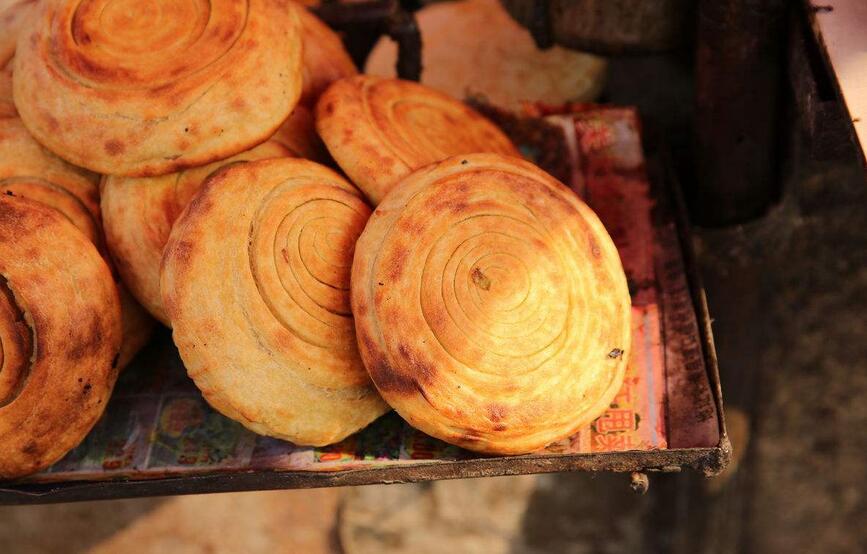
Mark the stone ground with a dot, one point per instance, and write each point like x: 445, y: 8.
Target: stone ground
x: 789, y: 297
x: 258, y: 522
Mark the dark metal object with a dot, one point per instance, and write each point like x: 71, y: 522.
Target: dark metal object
x: 709, y: 460
x: 823, y: 120
x: 739, y: 70
x: 662, y: 173
x: 608, y: 27
x: 540, y: 24
x: 403, y: 29
x: 363, y: 23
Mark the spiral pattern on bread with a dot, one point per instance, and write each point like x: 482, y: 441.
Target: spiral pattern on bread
x: 60, y: 335
x: 379, y: 130
x: 138, y: 213
x: 255, y: 281
x: 28, y: 170
x: 148, y: 87
x: 491, y: 306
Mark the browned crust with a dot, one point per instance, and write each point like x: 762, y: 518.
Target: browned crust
x: 13, y: 17
x: 138, y: 213
x: 488, y: 299
x: 28, y: 170
x: 255, y: 280
x: 127, y: 108
x: 379, y: 130
x: 298, y: 134
x: 72, y: 312
x: 7, y: 105
x: 138, y: 327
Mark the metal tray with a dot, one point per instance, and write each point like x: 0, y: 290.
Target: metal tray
x: 158, y: 436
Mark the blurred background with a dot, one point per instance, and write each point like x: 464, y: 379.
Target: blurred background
x: 774, y: 176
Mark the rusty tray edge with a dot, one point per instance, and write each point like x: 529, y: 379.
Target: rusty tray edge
x: 684, y: 233
x: 707, y: 460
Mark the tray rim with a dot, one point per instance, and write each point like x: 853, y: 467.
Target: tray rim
x: 708, y: 460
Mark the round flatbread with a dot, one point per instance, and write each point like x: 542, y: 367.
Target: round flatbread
x: 491, y: 306
x: 255, y: 280
x: 148, y: 87
x: 139, y: 212
x: 7, y: 105
x: 27, y: 170
x: 14, y: 16
x: 379, y: 130
x: 60, y: 333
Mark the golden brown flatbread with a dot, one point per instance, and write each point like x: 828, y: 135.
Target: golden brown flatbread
x: 379, y: 130
x: 135, y: 88
x: 14, y: 16
x: 298, y: 134
x: 60, y: 333
x: 325, y: 60
x: 139, y: 212
x: 491, y: 307
x: 255, y: 280
x: 137, y: 324
x: 28, y: 170
x: 7, y: 106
